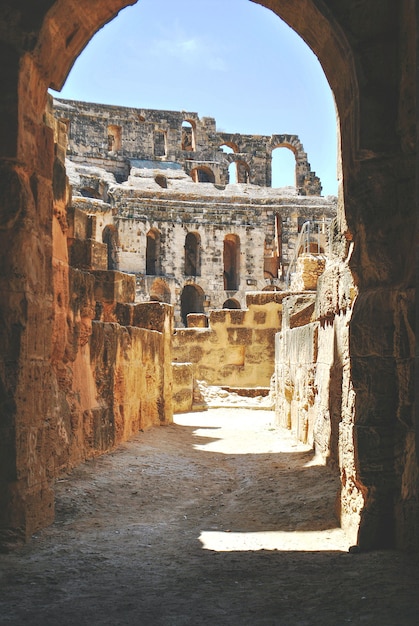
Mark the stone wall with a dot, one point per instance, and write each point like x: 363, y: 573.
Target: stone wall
x: 183, y: 387
x: 107, y: 377
x: 320, y: 352
x: 238, y: 346
x: 97, y: 132
x: 145, y: 221
x: 264, y: 222
x: 111, y: 384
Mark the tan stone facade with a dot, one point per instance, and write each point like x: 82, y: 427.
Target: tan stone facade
x: 120, y: 138
x: 193, y: 243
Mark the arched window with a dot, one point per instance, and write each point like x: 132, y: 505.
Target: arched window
x: 114, y: 138
x: 188, y: 136
x: 271, y: 259
x: 152, y: 264
x: 110, y: 238
x: 192, y: 254
x: 232, y: 168
x: 202, y: 174
x: 232, y: 173
x: 231, y: 262
x: 231, y: 303
x: 283, y: 167
x: 230, y: 147
x: 191, y: 301
x: 159, y: 143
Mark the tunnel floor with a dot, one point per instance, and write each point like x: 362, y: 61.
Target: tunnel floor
x: 219, y: 519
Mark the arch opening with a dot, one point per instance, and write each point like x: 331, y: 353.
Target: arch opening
x: 231, y: 260
x: 202, y: 174
x: 114, y: 138
x: 57, y: 75
x: 232, y: 173
x: 191, y: 301
x: 243, y: 172
x: 153, y: 253
x: 188, y: 136
x: 160, y: 143
x: 283, y: 167
x: 192, y: 254
x: 231, y: 303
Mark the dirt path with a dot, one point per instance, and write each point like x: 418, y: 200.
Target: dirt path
x: 221, y: 519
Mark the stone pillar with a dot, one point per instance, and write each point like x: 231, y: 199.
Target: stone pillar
x: 381, y: 351
x: 27, y: 381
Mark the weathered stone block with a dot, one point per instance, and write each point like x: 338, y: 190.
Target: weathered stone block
x: 375, y: 385
x: 183, y: 379
x: 336, y: 291
x: 152, y: 315
x: 372, y: 324
x: 218, y: 316
x: 112, y: 286
x: 265, y: 297
x: 124, y: 313
x: 259, y: 317
x: 297, y: 310
x: 88, y: 254
x: 264, y: 337
x: 197, y: 320
x: 239, y: 336
x: 309, y: 269
x: 236, y: 317
x: 79, y: 224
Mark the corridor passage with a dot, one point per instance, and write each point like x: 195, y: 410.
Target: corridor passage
x: 220, y: 519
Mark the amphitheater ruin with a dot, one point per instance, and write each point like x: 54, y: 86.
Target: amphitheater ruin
x: 143, y: 251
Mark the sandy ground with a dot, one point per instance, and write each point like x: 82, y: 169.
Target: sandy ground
x: 219, y: 519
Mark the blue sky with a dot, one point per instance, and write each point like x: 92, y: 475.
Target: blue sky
x: 229, y: 59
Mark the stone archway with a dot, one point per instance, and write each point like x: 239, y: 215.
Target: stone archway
x: 191, y: 301
x: 376, y: 120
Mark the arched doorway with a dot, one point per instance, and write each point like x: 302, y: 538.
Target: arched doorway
x: 231, y: 303
x: 192, y: 254
x: 188, y: 136
x: 191, y: 301
x: 153, y: 264
x: 231, y: 258
x: 202, y: 174
x: 283, y: 167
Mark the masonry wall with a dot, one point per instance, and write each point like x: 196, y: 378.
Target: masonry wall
x: 210, y: 214
x: 117, y: 133
x: 113, y: 378
x: 238, y: 346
